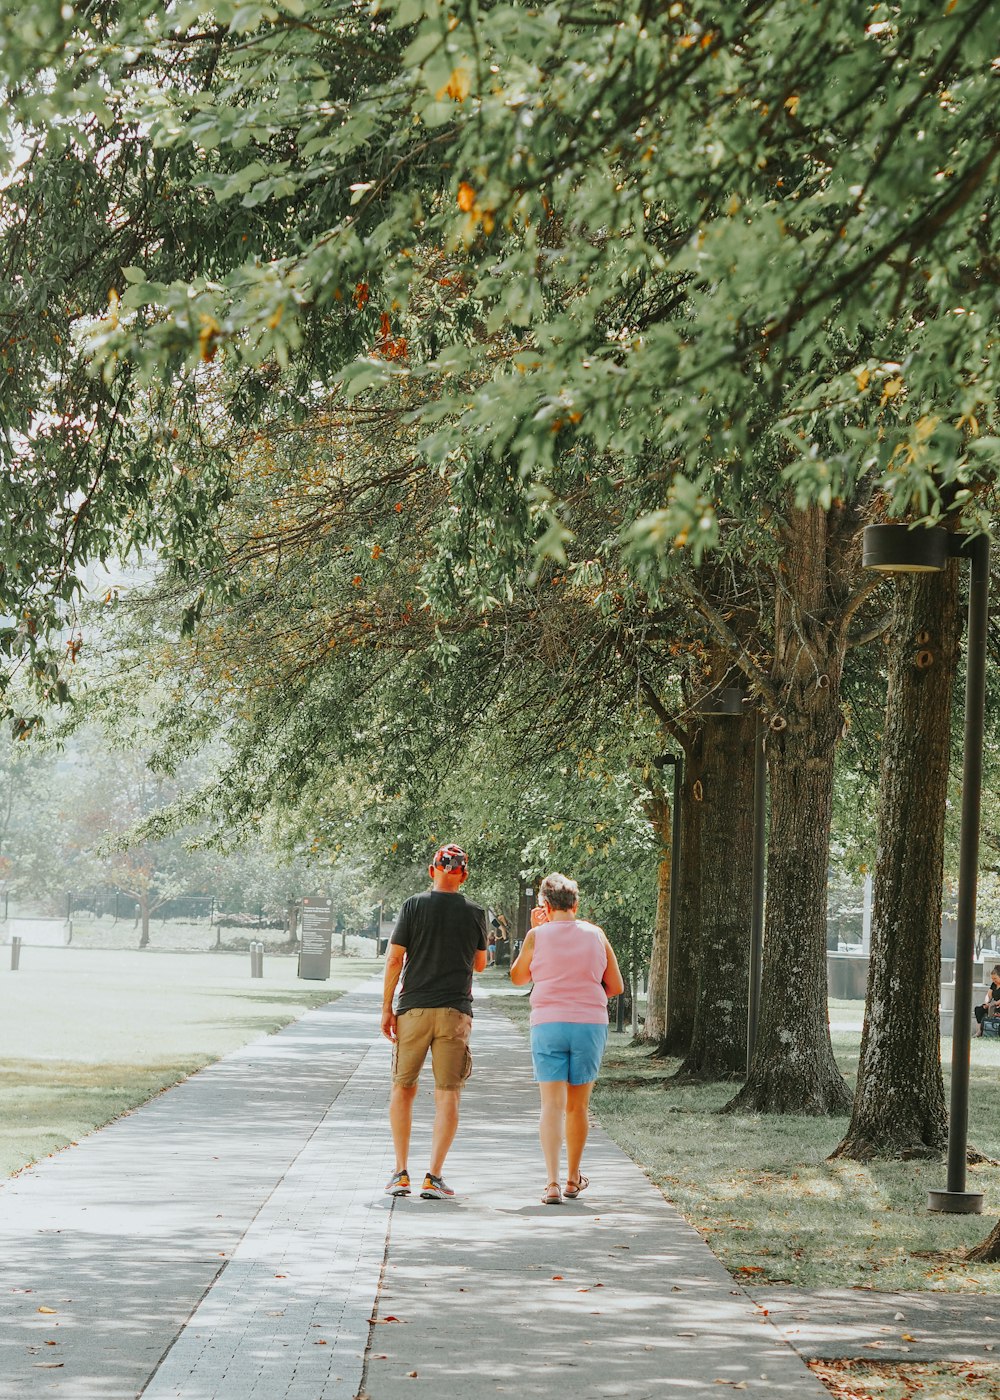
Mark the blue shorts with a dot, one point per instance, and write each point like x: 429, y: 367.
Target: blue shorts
x: 567, y: 1052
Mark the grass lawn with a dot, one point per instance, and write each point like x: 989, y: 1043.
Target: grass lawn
x: 875, y: 1380
x: 761, y: 1191
x: 86, y: 1035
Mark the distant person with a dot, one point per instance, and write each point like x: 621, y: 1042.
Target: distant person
x: 438, y: 942
x: 502, y: 937
x: 574, y: 971
x: 491, y: 949
x: 991, y: 1001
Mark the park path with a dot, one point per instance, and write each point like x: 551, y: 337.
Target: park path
x: 230, y: 1241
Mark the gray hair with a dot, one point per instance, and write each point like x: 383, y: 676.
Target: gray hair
x: 559, y: 891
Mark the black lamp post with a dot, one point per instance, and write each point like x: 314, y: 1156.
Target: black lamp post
x: 676, y: 760
x: 757, y: 889
x: 900, y: 549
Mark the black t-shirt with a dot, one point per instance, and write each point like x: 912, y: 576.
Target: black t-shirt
x: 441, y: 933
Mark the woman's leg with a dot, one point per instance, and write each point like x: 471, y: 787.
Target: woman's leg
x: 552, y: 1125
x: 577, y: 1125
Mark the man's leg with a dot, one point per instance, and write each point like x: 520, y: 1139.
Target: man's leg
x: 452, y: 1067
x: 401, y: 1120
x: 445, y: 1127
x: 577, y: 1126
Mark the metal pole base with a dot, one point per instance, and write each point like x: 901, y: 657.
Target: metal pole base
x: 956, y: 1202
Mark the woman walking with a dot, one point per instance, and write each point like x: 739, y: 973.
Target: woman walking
x: 574, y: 971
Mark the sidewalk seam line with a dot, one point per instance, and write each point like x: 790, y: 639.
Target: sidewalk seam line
x: 250, y: 1223
x: 173, y: 1340
x: 372, y: 1323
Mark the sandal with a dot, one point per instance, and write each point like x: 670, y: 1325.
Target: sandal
x: 573, y: 1188
x: 551, y: 1196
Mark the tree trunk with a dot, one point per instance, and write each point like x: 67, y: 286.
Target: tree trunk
x: 988, y: 1250
x: 718, y: 1047
x: 793, y: 1068
x: 899, y: 1106
x: 659, y: 958
x: 144, y: 915
x: 682, y: 992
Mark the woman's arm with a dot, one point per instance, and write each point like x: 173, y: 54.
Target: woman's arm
x: 613, y: 981
x: 520, y: 972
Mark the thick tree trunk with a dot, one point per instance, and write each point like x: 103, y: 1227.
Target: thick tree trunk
x: 793, y: 1068
x: 682, y: 992
x: 719, y: 1040
x: 144, y: 915
x: 656, y: 997
x: 899, y: 1106
x: 988, y: 1250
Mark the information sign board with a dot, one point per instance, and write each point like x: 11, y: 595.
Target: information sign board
x: 316, y: 933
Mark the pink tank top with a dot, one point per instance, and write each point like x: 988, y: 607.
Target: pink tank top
x: 566, y: 967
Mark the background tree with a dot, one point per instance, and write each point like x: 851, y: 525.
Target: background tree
x: 677, y: 268
x: 899, y: 1104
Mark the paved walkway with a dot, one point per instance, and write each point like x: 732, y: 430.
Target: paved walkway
x: 230, y: 1241
x: 831, y: 1323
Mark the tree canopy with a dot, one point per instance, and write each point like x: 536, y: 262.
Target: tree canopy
x: 713, y: 255
x: 438, y: 351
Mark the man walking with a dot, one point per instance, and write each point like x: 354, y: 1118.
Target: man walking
x: 438, y: 942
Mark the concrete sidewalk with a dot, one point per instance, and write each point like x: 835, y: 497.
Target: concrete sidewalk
x: 231, y: 1241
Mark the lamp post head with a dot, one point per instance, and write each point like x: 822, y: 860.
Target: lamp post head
x: 904, y: 549
x: 731, y: 700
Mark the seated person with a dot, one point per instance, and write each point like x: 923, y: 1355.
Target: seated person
x: 991, y: 1002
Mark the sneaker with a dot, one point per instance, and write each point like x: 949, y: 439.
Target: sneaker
x: 398, y: 1184
x: 434, y: 1189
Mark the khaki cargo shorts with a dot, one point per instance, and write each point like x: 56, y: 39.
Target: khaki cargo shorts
x: 440, y: 1029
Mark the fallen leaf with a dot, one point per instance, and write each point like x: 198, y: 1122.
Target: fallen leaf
x: 319, y: 1343
x: 556, y: 1278
x: 412, y: 1375
x: 48, y: 1310
x: 49, y: 1365
x: 907, y: 1338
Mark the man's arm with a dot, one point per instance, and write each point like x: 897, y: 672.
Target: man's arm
x: 394, y: 956
x: 482, y: 952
